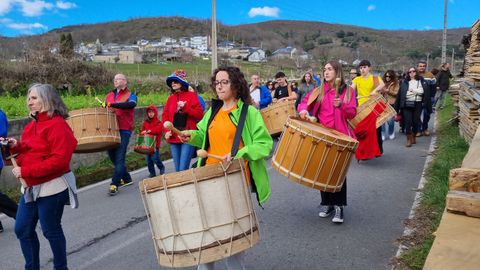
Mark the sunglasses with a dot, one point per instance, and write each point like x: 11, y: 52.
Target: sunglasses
x: 412, y: 71
x: 388, y: 76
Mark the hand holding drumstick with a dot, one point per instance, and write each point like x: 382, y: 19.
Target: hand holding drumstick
x: 336, y: 101
x: 304, y: 115
x: 204, y: 154
x: 183, y: 135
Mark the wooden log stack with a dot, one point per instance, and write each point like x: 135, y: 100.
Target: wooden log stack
x: 464, y: 183
x: 469, y: 91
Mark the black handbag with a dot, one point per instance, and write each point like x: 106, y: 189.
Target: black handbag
x: 409, y: 104
x: 180, y: 120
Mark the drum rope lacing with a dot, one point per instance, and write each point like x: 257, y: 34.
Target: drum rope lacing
x: 206, y: 229
x: 147, y: 210
x: 315, y: 141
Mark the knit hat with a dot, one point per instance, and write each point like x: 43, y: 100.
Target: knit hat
x: 178, y: 76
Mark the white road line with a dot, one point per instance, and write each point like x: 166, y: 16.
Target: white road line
x: 114, y: 250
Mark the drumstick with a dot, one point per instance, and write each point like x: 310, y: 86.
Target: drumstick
x: 337, y: 87
x: 14, y: 163
x: 169, y: 125
x: 101, y: 102
x: 203, y: 154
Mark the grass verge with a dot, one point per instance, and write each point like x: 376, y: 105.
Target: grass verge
x: 450, y: 150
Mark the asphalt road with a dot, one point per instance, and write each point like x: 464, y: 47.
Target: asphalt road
x: 113, y: 233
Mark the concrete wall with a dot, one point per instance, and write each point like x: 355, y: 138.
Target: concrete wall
x: 15, y: 128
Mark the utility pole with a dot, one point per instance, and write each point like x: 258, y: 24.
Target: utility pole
x: 453, y: 60
x: 214, y: 36
x: 444, y: 39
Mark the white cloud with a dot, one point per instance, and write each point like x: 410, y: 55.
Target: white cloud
x: 5, y: 6
x: 264, y: 11
x: 34, y: 8
x: 66, y: 5
x: 5, y: 20
x: 371, y: 7
x: 26, y: 26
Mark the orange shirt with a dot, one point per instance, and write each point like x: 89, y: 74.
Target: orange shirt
x: 221, y: 133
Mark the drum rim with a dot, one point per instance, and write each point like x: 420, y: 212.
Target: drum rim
x: 151, y: 185
x: 348, y: 141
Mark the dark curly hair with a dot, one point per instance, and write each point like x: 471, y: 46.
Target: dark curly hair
x: 238, y: 83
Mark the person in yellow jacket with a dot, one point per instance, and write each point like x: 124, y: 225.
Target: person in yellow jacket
x: 216, y: 132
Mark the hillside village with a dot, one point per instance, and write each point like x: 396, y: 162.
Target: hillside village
x: 182, y: 49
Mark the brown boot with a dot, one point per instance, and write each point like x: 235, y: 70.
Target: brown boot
x: 409, y: 140
x: 414, y: 139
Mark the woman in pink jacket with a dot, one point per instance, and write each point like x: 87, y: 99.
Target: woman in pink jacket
x: 332, y: 110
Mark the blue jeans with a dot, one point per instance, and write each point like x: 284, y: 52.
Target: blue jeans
x: 391, y: 127
x: 117, y: 156
x: 154, y: 158
x: 182, y: 155
x: 49, y: 211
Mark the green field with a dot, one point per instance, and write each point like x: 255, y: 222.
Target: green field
x: 16, y: 107
x: 199, y: 70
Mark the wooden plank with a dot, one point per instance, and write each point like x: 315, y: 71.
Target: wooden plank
x: 472, y: 158
x: 462, y: 202
x: 456, y: 244
x: 464, y: 179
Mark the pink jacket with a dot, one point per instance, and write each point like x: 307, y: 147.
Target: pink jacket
x: 329, y: 116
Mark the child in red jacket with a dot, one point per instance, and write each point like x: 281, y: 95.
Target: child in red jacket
x: 153, y: 126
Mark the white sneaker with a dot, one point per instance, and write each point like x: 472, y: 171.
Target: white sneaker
x: 392, y: 136
x: 338, y: 218
x: 326, y: 211
x: 383, y: 137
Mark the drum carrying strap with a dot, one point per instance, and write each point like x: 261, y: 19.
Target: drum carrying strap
x: 238, y: 132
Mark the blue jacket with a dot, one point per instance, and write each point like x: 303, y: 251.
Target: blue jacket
x: 265, y: 97
x: 3, y: 131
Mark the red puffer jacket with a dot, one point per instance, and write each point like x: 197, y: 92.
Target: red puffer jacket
x: 45, y: 150
x: 154, y: 125
x: 192, y: 108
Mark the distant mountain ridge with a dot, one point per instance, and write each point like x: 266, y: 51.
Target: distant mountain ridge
x: 323, y: 40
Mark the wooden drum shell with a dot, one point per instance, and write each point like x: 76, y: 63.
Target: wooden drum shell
x: 200, y: 215
x: 277, y: 114
x: 368, y: 106
x: 96, y: 129
x: 313, y: 155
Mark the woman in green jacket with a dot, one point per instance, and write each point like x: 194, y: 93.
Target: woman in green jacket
x: 216, y: 132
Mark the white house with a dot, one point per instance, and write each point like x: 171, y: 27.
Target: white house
x: 199, y: 42
x: 257, y: 56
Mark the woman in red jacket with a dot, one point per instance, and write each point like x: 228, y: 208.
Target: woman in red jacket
x: 184, y: 110
x: 44, y: 154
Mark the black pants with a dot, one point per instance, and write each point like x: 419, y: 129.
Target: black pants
x: 379, y: 139
x: 7, y: 205
x: 337, y: 198
x: 412, y: 118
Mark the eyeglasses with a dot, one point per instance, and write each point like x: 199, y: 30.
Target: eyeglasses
x: 412, y: 71
x: 388, y: 76
x: 222, y: 82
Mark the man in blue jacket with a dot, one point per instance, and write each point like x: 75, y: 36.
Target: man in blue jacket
x: 260, y: 94
x: 7, y: 206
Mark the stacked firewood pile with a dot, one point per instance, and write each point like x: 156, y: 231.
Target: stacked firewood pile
x: 469, y: 91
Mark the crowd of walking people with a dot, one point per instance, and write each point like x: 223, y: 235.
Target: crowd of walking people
x: 47, y: 143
